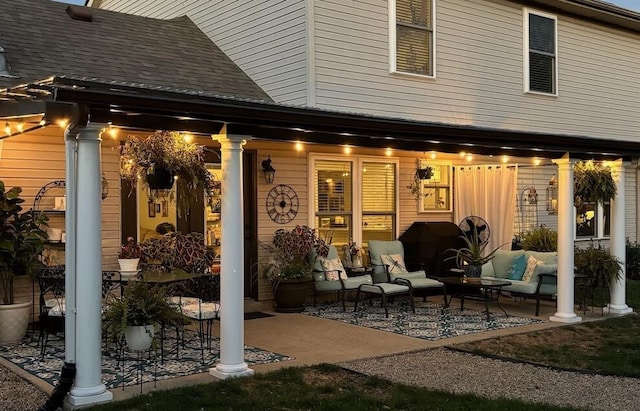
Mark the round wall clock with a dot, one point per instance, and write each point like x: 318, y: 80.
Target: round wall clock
x: 282, y: 203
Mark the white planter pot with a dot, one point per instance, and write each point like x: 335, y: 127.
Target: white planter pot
x: 139, y: 337
x: 128, y: 264
x: 14, y: 320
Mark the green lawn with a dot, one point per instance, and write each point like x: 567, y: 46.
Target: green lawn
x: 322, y: 387
x: 609, y: 345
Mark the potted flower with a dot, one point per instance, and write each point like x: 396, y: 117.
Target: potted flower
x: 593, y: 183
x: 353, y: 254
x: 161, y: 157
x: 289, y: 265
x: 472, y: 257
x: 129, y: 256
x: 21, y: 242
x: 139, y: 313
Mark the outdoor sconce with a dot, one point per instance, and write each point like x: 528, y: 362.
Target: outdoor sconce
x: 552, y: 195
x: 105, y: 187
x: 268, y: 171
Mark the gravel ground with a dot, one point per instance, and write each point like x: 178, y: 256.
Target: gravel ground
x: 16, y: 394
x: 456, y: 372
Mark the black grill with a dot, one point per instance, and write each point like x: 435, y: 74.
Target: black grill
x: 425, y: 245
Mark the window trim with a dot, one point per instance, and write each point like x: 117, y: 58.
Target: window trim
x: 392, y: 44
x: 356, y: 163
x: 525, y: 51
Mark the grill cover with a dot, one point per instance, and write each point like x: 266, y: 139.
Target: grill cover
x: 425, y: 246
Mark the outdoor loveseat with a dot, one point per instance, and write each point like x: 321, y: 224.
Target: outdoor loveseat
x: 532, y: 274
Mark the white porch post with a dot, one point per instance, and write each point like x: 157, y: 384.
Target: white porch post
x: 88, y: 387
x: 70, y: 145
x: 231, y: 362
x: 618, y: 249
x: 566, y: 228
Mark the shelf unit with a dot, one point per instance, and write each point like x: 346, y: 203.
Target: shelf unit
x: 54, y: 250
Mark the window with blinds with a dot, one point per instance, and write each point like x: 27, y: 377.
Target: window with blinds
x: 333, y: 202
x: 541, y: 44
x: 378, y: 193
x: 414, y: 36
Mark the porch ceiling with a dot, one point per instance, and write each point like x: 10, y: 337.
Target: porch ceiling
x: 134, y: 107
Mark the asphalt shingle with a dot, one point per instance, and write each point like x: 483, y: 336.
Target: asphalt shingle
x: 41, y: 40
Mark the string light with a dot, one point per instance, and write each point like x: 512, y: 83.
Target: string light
x: 63, y: 123
x: 347, y: 150
x: 505, y: 159
x: 299, y: 146
x: 113, y: 132
x: 20, y: 126
x: 7, y: 127
x: 469, y: 157
x: 433, y: 155
x: 388, y: 152
x: 536, y: 161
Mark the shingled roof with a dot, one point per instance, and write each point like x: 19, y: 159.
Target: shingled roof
x: 41, y: 40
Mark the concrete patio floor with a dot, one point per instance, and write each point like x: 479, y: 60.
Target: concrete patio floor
x: 312, y: 340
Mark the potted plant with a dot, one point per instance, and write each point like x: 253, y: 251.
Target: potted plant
x: 139, y: 313
x: 129, y: 256
x: 289, y: 265
x: 21, y: 242
x: 593, y: 183
x: 472, y: 257
x: 541, y: 239
x: 599, y: 266
x: 157, y: 159
x: 418, y: 175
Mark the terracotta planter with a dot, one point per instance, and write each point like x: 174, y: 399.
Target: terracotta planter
x: 14, y: 320
x: 160, y: 179
x: 290, y: 296
x: 139, y: 337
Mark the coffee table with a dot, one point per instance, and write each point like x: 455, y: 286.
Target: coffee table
x: 473, y: 288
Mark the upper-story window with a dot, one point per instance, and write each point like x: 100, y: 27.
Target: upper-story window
x: 411, y: 34
x: 540, y: 52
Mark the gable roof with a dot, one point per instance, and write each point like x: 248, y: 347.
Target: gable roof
x: 41, y: 40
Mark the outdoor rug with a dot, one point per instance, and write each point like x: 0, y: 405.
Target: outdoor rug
x: 430, y: 322
x: 27, y: 356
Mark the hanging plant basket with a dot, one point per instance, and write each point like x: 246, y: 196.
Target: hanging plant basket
x: 593, y: 183
x: 160, y: 178
x: 424, y: 173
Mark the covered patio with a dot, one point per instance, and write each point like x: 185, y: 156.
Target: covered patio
x: 87, y: 107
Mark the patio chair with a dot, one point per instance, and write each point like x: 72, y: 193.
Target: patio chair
x: 387, y: 260
x: 206, y: 308
x: 52, y: 304
x: 329, y: 276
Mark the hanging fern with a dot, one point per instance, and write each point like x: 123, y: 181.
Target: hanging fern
x: 593, y: 182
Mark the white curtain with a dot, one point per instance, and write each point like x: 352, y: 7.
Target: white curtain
x: 488, y: 192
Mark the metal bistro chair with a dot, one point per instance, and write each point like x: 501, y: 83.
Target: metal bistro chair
x: 52, y: 304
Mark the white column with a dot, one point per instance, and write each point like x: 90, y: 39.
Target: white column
x: 70, y: 247
x: 231, y: 362
x: 88, y: 387
x: 566, y: 229
x: 617, y: 244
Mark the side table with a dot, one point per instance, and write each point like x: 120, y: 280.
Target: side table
x: 358, y: 271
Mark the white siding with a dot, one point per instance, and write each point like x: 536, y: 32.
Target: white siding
x: 480, y: 70
x: 268, y: 40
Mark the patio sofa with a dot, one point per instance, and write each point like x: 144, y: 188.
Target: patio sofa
x: 532, y: 274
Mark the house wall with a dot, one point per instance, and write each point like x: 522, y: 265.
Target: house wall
x: 479, y: 64
x: 268, y: 40
x: 32, y: 160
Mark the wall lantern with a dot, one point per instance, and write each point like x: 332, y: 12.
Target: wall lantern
x: 105, y: 186
x: 268, y: 171
x: 552, y: 195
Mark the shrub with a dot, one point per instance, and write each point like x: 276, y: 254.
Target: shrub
x: 540, y: 239
x: 597, y: 263
x: 633, y: 260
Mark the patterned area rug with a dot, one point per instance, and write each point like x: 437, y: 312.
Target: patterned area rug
x: 430, y: 322
x: 114, y: 373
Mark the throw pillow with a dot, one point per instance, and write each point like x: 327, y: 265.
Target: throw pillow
x: 331, y: 267
x: 517, y: 267
x: 532, y: 263
x: 395, y: 262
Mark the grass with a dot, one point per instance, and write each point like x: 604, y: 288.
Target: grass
x: 608, y: 346
x: 321, y: 387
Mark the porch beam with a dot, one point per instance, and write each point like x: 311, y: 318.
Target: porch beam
x: 566, y: 234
